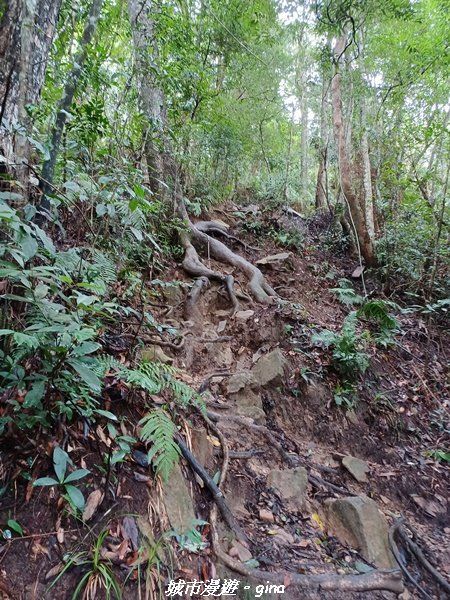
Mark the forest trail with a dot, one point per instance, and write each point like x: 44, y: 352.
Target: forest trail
x: 272, y: 392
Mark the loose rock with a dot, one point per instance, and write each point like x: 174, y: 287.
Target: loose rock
x: 241, y: 380
x: 356, y: 467
x: 291, y: 484
x: 357, y: 522
x: 270, y: 368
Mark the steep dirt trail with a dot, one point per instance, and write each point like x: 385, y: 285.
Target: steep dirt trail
x: 277, y: 379
x: 270, y: 397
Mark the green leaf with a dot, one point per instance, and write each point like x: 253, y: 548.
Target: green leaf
x: 15, y: 526
x: 45, y: 481
x: 29, y: 247
x: 76, y: 475
x: 29, y: 341
x: 6, y: 331
x: 46, y: 241
x: 60, y: 460
x: 34, y: 396
x: 106, y: 414
x: 75, y: 496
x: 86, y: 374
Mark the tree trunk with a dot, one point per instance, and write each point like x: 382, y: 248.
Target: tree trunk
x: 151, y: 96
x: 27, y: 32
x: 321, y: 184
x: 345, y: 167
x: 48, y: 169
x: 366, y: 174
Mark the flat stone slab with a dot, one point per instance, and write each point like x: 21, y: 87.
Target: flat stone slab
x: 291, y: 484
x: 178, y: 502
x: 356, y: 467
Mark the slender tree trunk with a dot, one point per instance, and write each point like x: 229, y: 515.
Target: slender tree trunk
x: 346, y: 171
x: 27, y: 31
x: 321, y: 184
x: 48, y: 169
x: 151, y: 95
x: 366, y: 174
x: 304, y: 150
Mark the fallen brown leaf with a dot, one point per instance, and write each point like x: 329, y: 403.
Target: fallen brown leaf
x: 92, y: 503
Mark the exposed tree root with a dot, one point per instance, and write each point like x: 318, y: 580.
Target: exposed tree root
x: 217, y: 495
x: 215, y: 227
x: 398, y: 558
x: 422, y: 559
x: 376, y: 580
x: 259, y: 288
x: 191, y: 311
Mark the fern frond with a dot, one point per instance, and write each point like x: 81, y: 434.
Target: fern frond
x: 158, y: 429
x: 378, y: 311
x: 346, y: 294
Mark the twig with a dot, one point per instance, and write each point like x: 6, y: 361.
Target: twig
x: 318, y: 481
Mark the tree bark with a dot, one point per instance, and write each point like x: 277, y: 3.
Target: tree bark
x: 27, y: 32
x: 345, y: 167
x: 321, y: 183
x: 151, y: 96
x: 48, y: 169
x: 367, y: 177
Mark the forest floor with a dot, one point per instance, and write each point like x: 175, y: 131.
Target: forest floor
x: 397, y: 424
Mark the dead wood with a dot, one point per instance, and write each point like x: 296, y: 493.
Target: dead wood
x: 217, y: 495
x: 398, y: 558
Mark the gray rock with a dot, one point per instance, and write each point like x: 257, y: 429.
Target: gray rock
x: 241, y: 380
x: 356, y: 467
x: 247, y: 397
x: 173, y: 294
x: 291, y: 484
x: 274, y: 259
x: 221, y: 326
x: 244, y: 315
x: 221, y: 357
x: 239, y: 551
x: 357, y: 522
x: 253, y: 412
x: 178, y: 502
x: 270, y: 368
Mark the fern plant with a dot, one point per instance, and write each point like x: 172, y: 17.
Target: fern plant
x: 377, y: 312
x: 158, y: 429
x: 346, y: 294
x: 349, y: 356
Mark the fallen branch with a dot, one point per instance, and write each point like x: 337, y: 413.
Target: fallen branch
x: 218, y: 497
